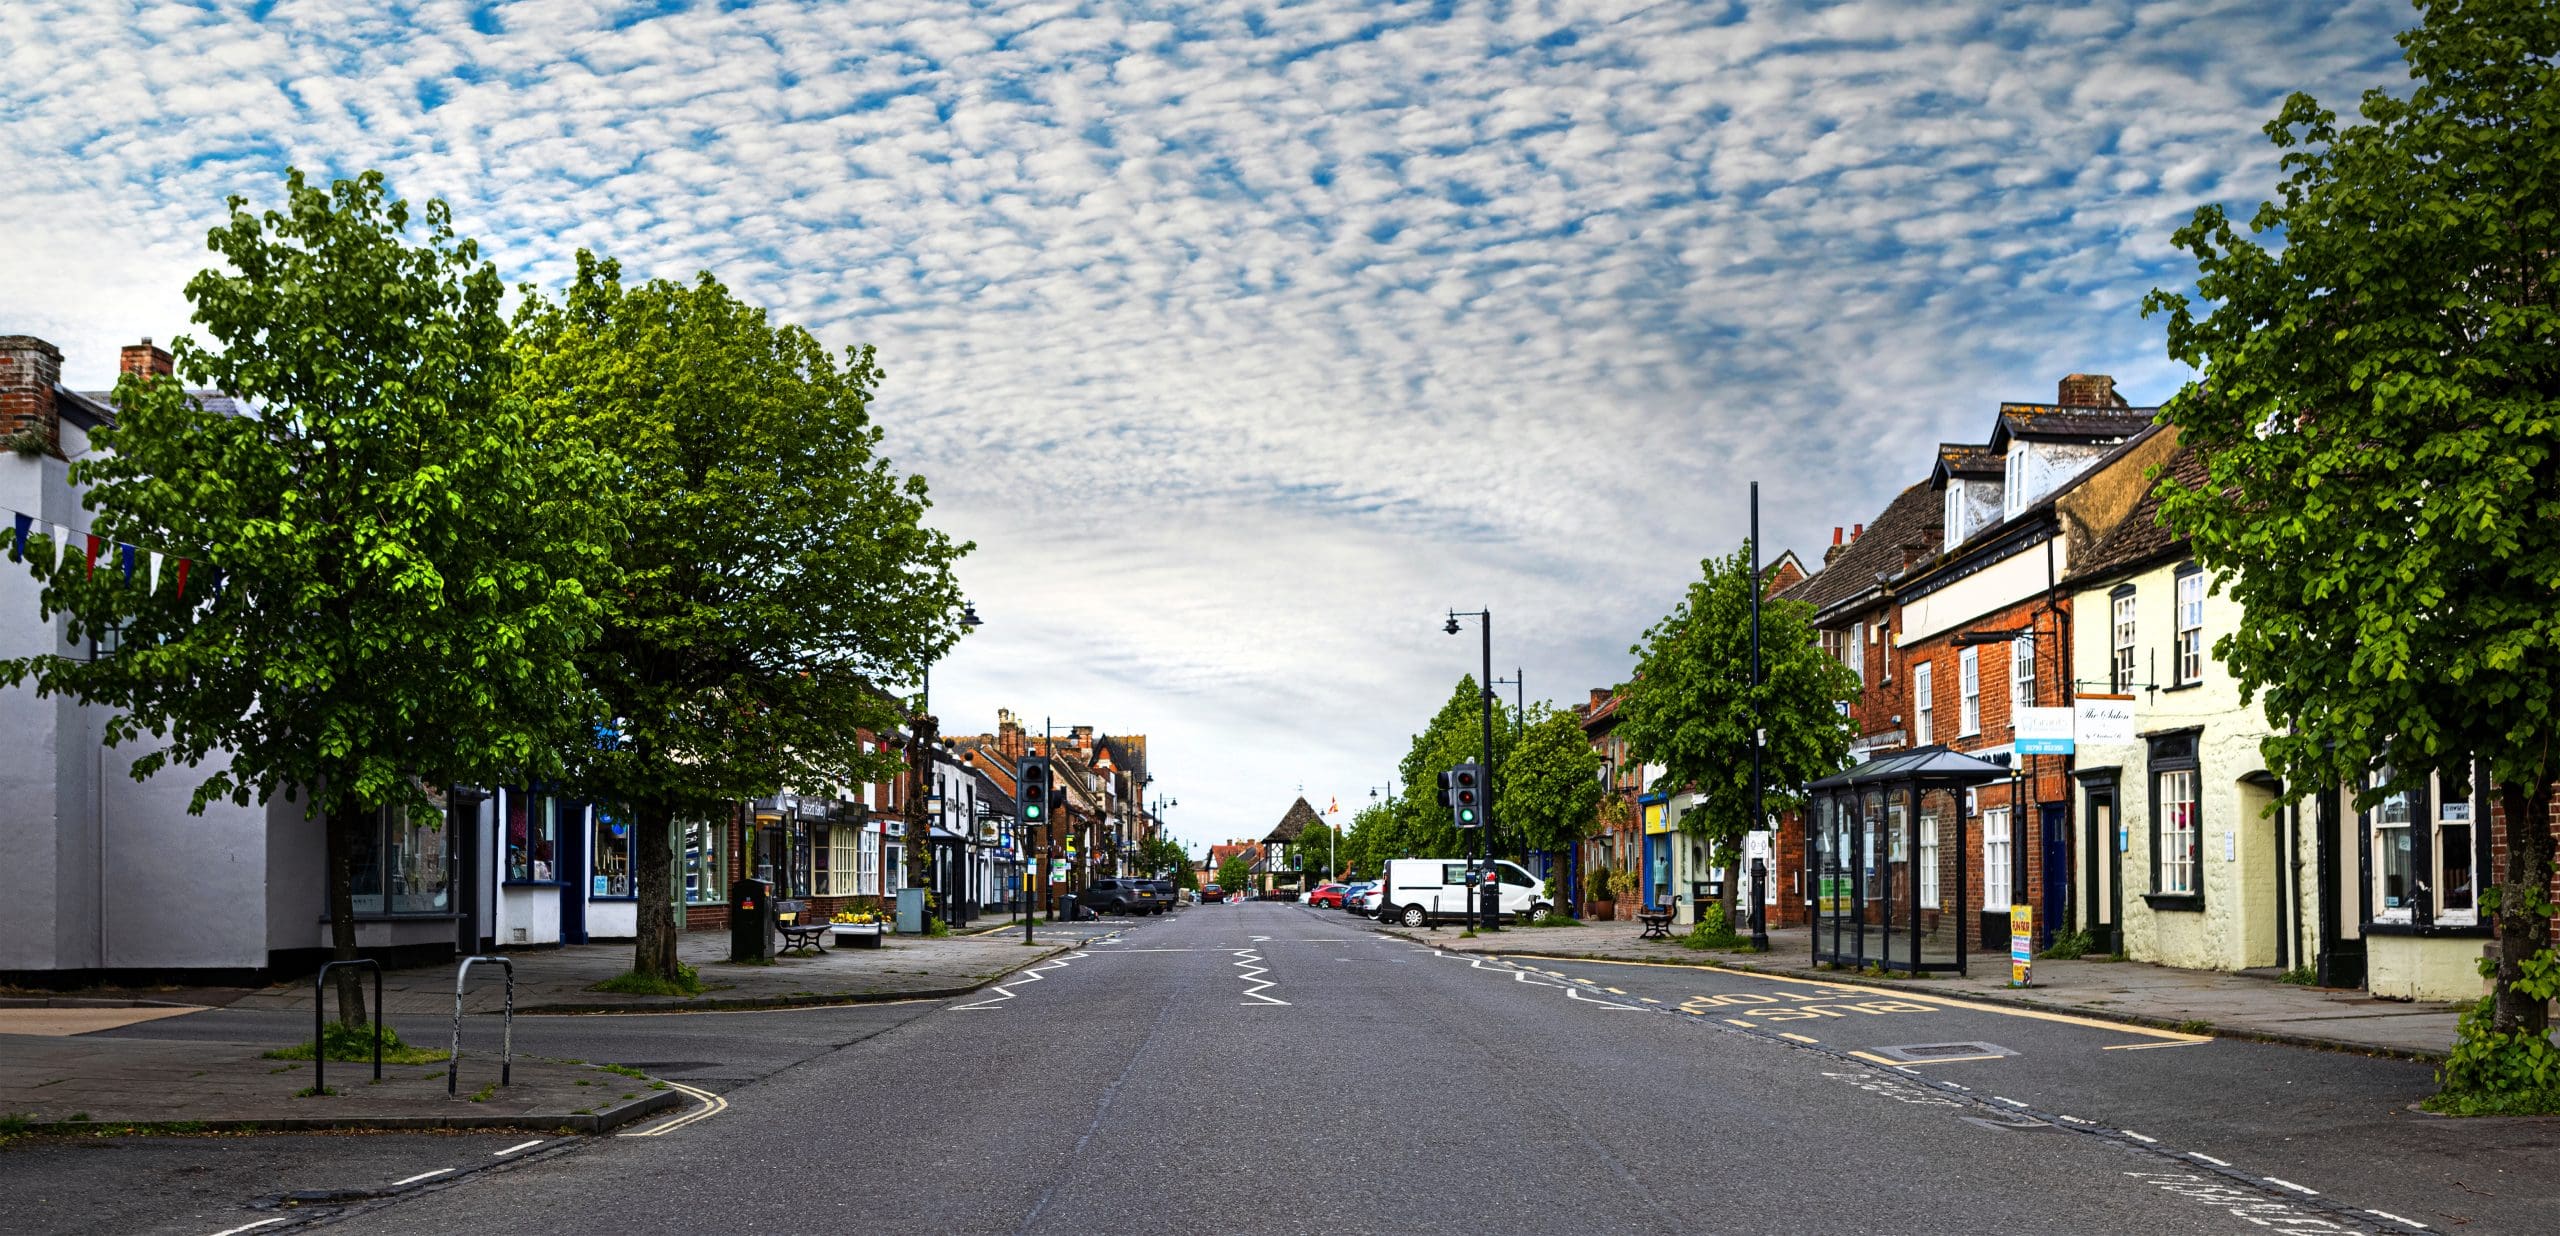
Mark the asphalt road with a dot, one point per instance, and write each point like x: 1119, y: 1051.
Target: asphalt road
x: 1275, y: 1069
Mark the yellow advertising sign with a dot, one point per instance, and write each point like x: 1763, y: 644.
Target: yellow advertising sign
x: 1657, y: 818
x: 2022, y: 944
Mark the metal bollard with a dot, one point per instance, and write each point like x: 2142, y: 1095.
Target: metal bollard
x: 319, y: 1019
x: 507, y: 1058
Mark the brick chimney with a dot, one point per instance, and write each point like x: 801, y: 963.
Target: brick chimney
x: 2089, y: 390
x: 145, y: 359
x: 29, y: 370
x: 1008, y: 734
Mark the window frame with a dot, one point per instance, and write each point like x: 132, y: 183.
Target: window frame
x: 542, y: 829
x: 1954, y: 518
x: 2175, y: 755
x: 2427, y: 914
x: 2005, y: 838
x: 1968, y: 691
x: 2022, y: 673
x: 711, y: 872
x: 1923, y: 709
x: 378, y: 860
x: 2124, y: 630
x: 599, y: 847
x: 2189, y: 639
x: 1928, y: 891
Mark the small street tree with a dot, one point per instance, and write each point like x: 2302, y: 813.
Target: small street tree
x: 385, y: 588
x: 1365, y: 845
x: 1420, y: 825
x: 774, y: 568
x: 1233, y: 873
x: 1551, y: 789
x: 1315, y: 851
x: 1689, y: 706
x: 2380, y: 416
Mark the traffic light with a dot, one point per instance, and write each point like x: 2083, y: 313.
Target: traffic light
x: 1462, y: 792
x: 1031, y: 781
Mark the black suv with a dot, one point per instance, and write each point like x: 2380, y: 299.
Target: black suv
x: 1115, y: 896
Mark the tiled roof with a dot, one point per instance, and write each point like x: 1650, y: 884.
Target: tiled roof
x: 1913, y: 518
x: 2048, y: 420
x: 2140, y: 536
x: 1293, y: 823
x: 1966, y: 459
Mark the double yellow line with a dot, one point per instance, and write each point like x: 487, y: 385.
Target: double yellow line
x: 712, y: 1105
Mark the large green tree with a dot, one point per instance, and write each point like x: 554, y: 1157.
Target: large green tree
x: 1367, y: 844
x: 1691, y: 706
x: 1418, y: 825
x: 385, y: 588
x: 1551, y: 787
x: 775, y: 570
x: 1316, y: 851
x: 2379, y: 412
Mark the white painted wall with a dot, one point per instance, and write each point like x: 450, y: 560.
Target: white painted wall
x: 2004, y: 583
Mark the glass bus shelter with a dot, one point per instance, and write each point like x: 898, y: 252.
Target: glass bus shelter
x: 1886, y: 860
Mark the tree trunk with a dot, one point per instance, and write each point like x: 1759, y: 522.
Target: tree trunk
x: 2524, y: 925
x: 1731, y: 894
x: 654, y: 950
x: 339, y: 823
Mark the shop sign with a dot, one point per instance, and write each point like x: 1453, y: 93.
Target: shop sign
x: 2042, y: 731
x: 2103, y: 719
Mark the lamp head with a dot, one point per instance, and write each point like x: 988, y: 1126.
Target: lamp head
x: 1452, y: 628
x: 969, y: 616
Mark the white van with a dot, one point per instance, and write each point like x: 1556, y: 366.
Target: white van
x: 1419, y: 891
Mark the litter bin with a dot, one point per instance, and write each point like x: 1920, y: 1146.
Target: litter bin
x: 751, y: 920
x: 1067, y: 911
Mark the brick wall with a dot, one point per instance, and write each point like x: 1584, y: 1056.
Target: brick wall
x: 2549, y: 813
x: 29, y: 370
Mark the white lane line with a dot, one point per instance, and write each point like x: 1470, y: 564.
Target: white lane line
x: 441, y: 1171
x: 520, y: 1146
x: 2011, y: 1102
x: 2074, y: 1120
x: 712, y: 1105
x: 2206, y: 1158
x: 2147, y: 1141
x: 2397, y: 1219
x: 1004, y: 991
x: 2287, y: 1184
x: 251, y: 1227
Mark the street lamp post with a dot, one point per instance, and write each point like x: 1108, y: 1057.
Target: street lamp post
x: 1484, y: 841
x: 1759, y: 736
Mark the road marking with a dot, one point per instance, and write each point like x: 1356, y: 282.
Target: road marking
x: 2287, y: 1184
x: 2198, y: 1154
x: 1736, y: 1021
x: 441, y: 1171
x: 2397, y: 1219
x: 1614, y: 991
x: 1004, y: 991
x: 251, y: 1227
x: 2197, y: 1041
x: 1903, y: 993
x: 2003, y: 1099
x: 1249, y: 961
x: 521, y: 1146
x: 712, y: 1105
x: 2147, y: 1141
x: 1797, y: 1037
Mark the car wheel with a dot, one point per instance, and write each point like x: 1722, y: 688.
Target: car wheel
x: 1534, y: 913
x: 1414, y: 917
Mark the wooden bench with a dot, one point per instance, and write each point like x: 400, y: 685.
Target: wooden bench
x: 800, y: 929
x: 1656, y: 923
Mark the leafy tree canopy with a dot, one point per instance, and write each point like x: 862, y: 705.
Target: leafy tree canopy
x: 2379, y: 411
x: 1689, y: 707
x: 1551, y: 783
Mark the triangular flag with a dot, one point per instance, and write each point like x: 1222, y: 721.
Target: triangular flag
x: 18, y: 544
x: 183, y: 564
x: 61, y: 546
x: 91, y: 557
x: 155, y: 572
x: 125, y: 552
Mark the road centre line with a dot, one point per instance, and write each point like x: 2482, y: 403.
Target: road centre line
x: 441, y: 1171
x: 2172, y: 1036
x: 519, y: 1146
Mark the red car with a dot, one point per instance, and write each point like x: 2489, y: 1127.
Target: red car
x: 1327, y: 895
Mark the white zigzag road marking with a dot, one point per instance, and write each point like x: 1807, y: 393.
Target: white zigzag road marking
x: 1250, y: 961
x: 1004, y: 991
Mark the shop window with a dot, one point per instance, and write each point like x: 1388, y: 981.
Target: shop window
x: 839, y: 858
x: 704, y: 858
x: 611, y: 855
x: 403, y: 863
x: 2425, y: 854
x: 2177, y: 875
x: 533, y: 835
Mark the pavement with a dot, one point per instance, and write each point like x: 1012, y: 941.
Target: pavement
x: 2232, y: 1005
x: 1268, y: 1068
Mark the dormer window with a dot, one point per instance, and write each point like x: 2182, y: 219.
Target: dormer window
x: 1955, y: 513
x: 2013, y: 495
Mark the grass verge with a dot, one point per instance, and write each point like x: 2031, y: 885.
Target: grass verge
x: 687, y: 982
x: 354, y: 1044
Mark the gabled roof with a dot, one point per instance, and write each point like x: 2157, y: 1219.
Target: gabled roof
x: 1965, y: 459
x: 1913, y: 519
x: 2052, y: 420
x: 1293, y: 823
x: 2140, y: 537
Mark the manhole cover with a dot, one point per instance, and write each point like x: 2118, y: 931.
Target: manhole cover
x: 1924, y: 1053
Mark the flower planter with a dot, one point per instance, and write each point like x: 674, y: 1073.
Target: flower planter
x: 1602, y: 910
x: 857, y: 935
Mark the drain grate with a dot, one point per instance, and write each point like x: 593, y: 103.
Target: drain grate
x: 1924, y: 1053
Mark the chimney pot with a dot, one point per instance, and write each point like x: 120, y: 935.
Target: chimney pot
x: 147, y: 360
x: 1854, y: 534
x: 1835, y: 536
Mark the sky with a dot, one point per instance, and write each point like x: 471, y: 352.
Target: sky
x: 1248, y: 340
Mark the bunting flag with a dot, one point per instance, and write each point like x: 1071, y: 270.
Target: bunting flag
x: 183, y: 563
x: 61, y: 547
x: 91, y: 557
x: 155, y: 573
x: 125, y: 552
x: 18, y: 544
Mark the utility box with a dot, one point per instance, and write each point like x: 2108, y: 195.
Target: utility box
x: 910, y: 911
x: 751, y: 920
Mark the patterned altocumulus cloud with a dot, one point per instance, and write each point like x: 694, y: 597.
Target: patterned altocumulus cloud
x: 1245, y: 339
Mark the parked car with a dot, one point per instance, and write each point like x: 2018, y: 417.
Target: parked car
x: 1113, y: 895
x: 1425, y: 890
x: 1368, y: 901
x: 1352, y: 892
x: 1211, y: 894
x: 1327, y: 895
x: 1167, y: 896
